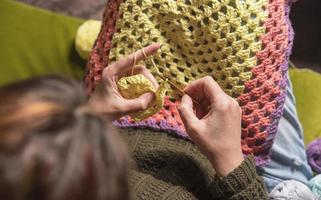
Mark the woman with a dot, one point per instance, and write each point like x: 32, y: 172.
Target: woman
x: 242, y: 44
x: 172, y: 167
x: 54, y: 146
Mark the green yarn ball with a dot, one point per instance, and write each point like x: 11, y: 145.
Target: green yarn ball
x: 86, y: 36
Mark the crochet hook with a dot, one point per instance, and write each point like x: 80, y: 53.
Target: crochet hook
x: 179, y: 90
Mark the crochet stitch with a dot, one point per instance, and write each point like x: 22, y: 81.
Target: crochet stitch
x: 134, y: 86
x: 244, y: 45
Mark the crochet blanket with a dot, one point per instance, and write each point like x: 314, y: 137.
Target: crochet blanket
x: 243, y: 45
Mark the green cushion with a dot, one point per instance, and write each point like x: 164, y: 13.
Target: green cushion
x: 307, y: 90
x: 36, y: 42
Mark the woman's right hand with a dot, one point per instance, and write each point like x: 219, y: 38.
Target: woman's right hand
x: 215, y: 126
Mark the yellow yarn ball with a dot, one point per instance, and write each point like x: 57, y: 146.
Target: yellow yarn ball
x: 86, y: 36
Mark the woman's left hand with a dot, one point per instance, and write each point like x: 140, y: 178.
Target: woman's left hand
x: 106, y: 98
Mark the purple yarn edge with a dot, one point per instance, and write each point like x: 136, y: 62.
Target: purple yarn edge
x: 277, y: 114
x: 151, y: 123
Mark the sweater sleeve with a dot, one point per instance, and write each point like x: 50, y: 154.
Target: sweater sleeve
x: 241, y: 184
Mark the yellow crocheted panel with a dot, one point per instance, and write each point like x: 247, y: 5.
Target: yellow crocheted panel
x: 199, y: 38
x: 134, y: 86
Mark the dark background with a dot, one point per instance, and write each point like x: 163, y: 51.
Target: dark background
x: 306, y: 21
x: 305, y: 16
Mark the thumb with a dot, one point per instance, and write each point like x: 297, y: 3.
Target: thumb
x: 138, y: 104
x: 187, y: 114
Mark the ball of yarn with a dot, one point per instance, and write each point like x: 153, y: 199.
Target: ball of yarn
x: 86, y: 36
x: 314, y: 155
x: 134, y: 86
x: 315, y: 185
x: 291, y: 189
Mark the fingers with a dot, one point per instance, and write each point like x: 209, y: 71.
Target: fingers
x: 186, y: 112
x: 126, y: 63
x: 205, y: 89
x: 138, y: 104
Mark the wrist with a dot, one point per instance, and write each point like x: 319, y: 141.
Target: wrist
x: 94, y: 102
x: 224, y: 162
x: 98, y: 101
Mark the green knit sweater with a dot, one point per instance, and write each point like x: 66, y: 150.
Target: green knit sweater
x: 168, y: 167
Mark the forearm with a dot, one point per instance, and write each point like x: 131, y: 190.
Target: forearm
x: 242, y: 183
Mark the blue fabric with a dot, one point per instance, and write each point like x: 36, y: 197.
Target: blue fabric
x: 288, y: 156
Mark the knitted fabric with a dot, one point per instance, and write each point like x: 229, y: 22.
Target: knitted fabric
x: 244, y: 45
x: 168, y: 167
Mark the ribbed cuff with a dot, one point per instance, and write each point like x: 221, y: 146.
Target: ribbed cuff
x: 236, y: 181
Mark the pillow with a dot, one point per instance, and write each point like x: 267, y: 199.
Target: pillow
x: 36, y: 42
x: 244, y: 45
x: 306, y: 88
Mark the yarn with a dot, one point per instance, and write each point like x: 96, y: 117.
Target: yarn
x: 315, y: 185
x: 134, y: 86
x: 314, y: 155
x: 86, y: 36
x: 244, y: 45
x: 292, y: 189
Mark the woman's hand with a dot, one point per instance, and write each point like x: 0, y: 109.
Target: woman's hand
x: 106, y: 98
x: 215, y: 126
